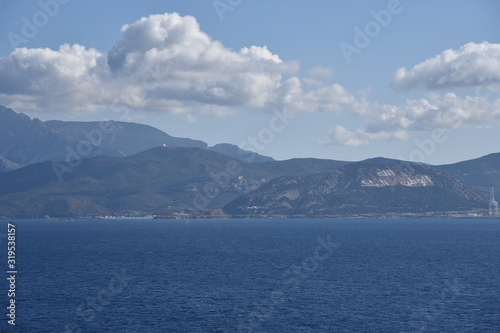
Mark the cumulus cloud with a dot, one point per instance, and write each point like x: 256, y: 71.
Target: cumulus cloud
x: 321, y: 72
x: 341, y: 136
x: 327, y: 98
x: 438, y: 112
x: 317, y: 75
x: 473, y: 65
x: 70, y: 76
x: 434, y: 112
x: 166, y: 63
x: 470, y: 66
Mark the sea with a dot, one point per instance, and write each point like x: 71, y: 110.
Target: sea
x: 253, y: 275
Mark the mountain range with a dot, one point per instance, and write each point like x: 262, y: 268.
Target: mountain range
x: 372, y: 186
x: 159, y: 181
x: 25, y: 141
x: 69, y: 169
x: 480, y: 173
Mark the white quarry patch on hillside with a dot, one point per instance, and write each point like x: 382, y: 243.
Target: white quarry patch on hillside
x: 376, y: 183
x: 292, y: 195
x: 385, y: 173
x: 388, y: 177
x: 417, y: 181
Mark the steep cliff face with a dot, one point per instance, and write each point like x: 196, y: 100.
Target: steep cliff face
x: 387, y: 186
x: 25, y: 141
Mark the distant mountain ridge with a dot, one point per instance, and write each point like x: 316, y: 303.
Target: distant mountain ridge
x: 238, y: 153
x: 171, y: 180
x: 157, y: 181
x: 367, y: 187
x: 25, y: 141
x: 123, y: 137
x: 480, y: 173
x: 109, y: 168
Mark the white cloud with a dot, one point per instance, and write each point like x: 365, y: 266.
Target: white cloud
x: 166, y: 63
x: 317, y: 75
x: 448, y: 112
x: 437, y: 112
x: 341, y: 136
x: 326, y: 98
x: 321, y: 72
x: 312, y: 82
x: 190, y: 119
x: 70, y: 76
x: 472, y: 65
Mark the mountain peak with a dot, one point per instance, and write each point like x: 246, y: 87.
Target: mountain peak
x: 240, y: 154
x: 380, y: 160
x: 9, y: 114
x: 25, y: 141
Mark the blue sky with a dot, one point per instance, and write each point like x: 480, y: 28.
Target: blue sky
x: 216, y: 82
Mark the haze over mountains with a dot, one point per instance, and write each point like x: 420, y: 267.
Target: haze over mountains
x: 25, y: 141
x: 118, y: 168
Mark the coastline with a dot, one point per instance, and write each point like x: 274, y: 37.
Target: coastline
x: 386, y: 216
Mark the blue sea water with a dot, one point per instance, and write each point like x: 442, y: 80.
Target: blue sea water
x: 308, y: 275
